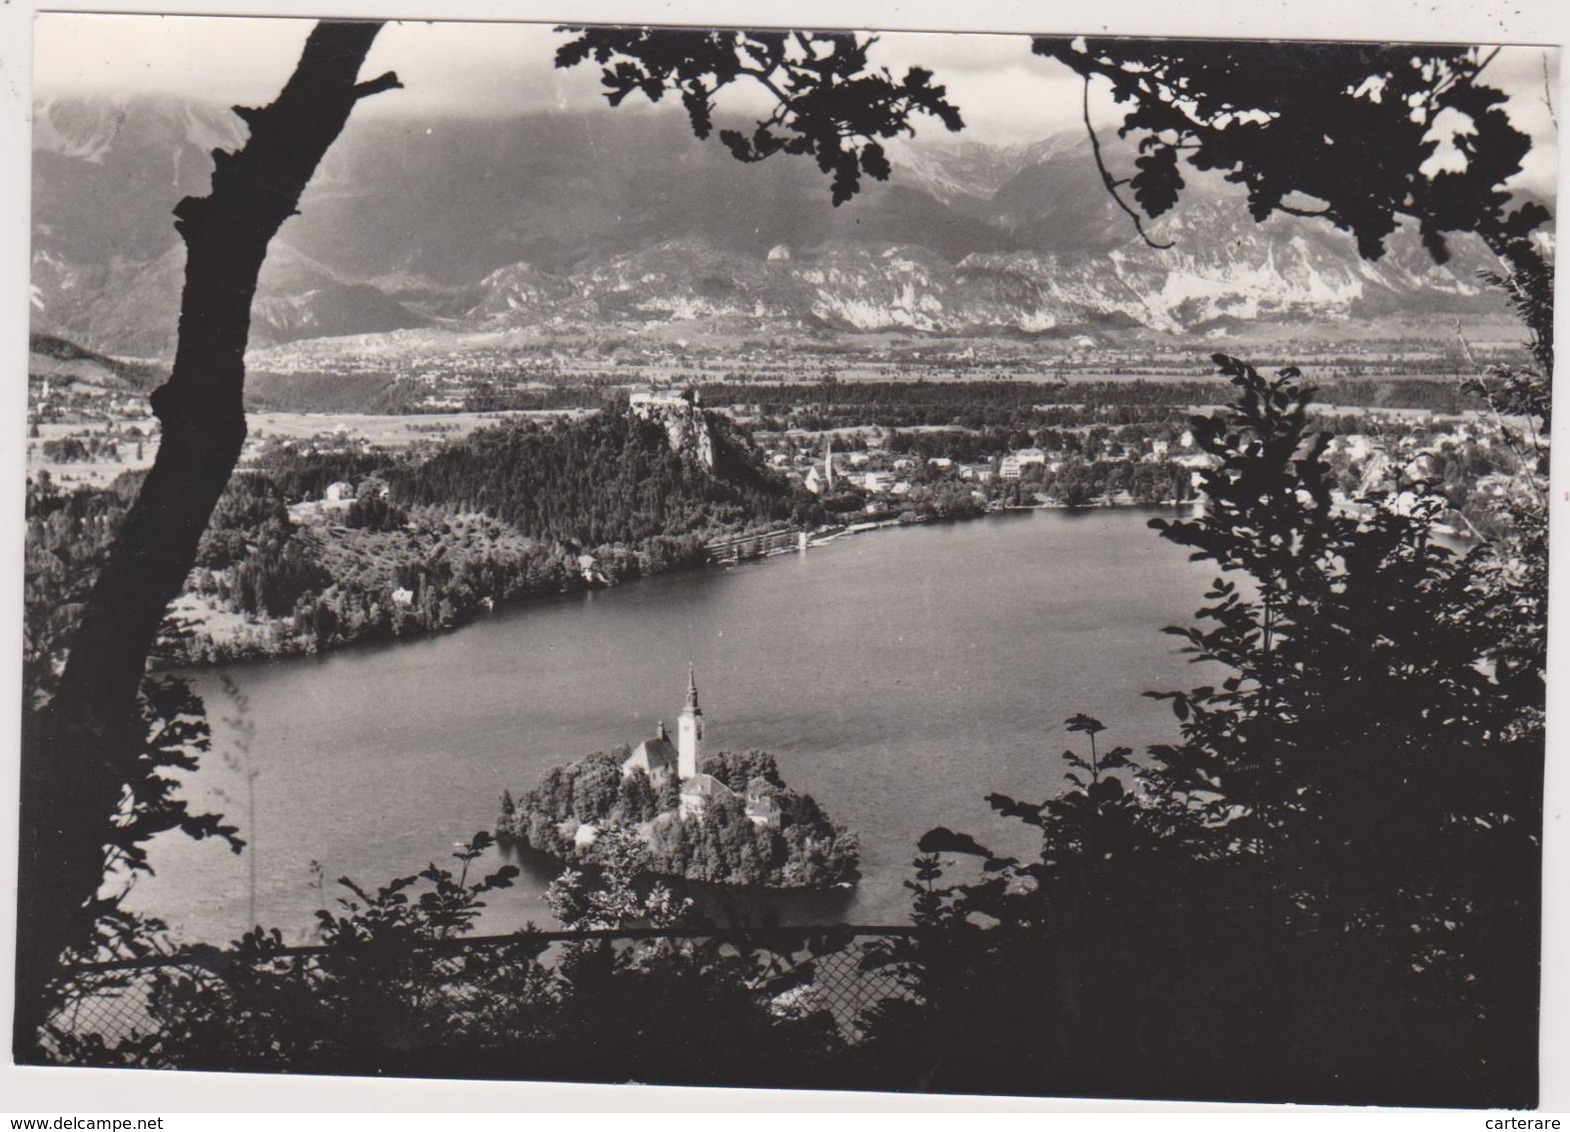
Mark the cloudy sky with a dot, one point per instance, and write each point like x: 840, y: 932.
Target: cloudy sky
x: 1005, y: 93
x: 478, y: 68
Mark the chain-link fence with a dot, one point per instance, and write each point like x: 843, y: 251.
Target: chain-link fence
x: 112, y: 1011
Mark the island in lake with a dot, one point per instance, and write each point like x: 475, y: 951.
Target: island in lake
x: 726, y: 818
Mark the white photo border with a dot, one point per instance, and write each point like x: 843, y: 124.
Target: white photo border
x: 26, y: 1091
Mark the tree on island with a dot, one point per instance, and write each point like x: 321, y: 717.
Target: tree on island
x: 614, y: 900
x: 800, y: 847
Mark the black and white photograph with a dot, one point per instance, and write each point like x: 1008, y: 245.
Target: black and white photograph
x: 823, y: 558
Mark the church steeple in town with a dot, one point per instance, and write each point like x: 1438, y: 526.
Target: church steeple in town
x: 689, y: 730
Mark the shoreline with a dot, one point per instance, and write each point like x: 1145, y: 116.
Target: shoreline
x: 490, y: 606
x: 512, y: 844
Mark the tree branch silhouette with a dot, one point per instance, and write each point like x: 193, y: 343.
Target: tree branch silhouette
x: 75, y: 749
x: 1106, y: 177
x: 829, y: 104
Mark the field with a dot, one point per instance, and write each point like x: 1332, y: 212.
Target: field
x: 386, y: 431
x: 382, y: 431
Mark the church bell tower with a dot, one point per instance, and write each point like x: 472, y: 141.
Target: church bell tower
x: 689, y: 731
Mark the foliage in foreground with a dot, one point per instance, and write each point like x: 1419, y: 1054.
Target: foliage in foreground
x: 1328, y: 888
x: 391, y: 991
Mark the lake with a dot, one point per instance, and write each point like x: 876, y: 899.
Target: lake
x: 899, y: 676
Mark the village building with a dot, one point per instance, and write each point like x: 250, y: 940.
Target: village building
x: 822, y: 482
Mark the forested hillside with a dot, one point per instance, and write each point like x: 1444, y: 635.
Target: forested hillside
x: 434, y: 537
x: 610, y: 478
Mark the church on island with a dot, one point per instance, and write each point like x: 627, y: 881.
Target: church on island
x: 663, y: 761
x: 722, y: 817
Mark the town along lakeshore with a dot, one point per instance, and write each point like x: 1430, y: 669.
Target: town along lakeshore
x: 898, y: 676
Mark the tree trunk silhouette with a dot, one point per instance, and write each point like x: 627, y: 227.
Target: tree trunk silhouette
x: 77, y: 751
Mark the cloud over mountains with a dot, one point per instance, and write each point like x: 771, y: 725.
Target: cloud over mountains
x: 585, y: 220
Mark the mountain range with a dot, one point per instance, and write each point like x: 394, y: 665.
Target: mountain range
x: 596, y: 223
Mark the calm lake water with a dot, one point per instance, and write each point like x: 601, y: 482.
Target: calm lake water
x: 899, y: 676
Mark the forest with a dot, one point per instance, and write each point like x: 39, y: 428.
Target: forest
x: 434, y: 537
x: 609, y: 478
x: 988, y: 404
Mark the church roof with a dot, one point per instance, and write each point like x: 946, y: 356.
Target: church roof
x: 692, y: 691
x: 653, y: 755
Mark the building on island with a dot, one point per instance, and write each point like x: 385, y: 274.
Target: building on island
x: 658, y: 757
x: 664, y: 761
x: 698, y: 792
x: 763, y: 808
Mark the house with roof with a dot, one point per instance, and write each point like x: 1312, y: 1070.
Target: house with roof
x: 762, y: 807
x: 1010, y: 467
x: 759, y: 803
x: 699, y: 792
